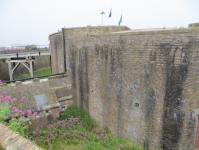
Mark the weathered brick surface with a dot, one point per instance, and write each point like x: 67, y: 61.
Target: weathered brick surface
x: 44, y: 121
x: 62, y: 91
x: 67, y: 102
x: 57, y: 57
x: 9, y: 140
x: 156, y: 69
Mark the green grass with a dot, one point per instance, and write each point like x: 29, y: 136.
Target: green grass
x: 77, y: 130
x: 40, y: 72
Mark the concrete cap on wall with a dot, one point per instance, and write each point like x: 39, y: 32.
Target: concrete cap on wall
x: 18, y: 83
x: 35, y: 80
x: 196, y: 111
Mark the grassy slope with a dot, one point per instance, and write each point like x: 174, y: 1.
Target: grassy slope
x: 40, y: 72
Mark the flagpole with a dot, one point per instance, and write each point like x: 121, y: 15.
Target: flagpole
x: 102, y: 16
x: 122, y: 14
x: 111, y: 14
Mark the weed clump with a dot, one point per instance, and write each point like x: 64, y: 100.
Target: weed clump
x: 84, y: 118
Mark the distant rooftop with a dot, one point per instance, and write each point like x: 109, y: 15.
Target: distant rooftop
x: 194, y: 25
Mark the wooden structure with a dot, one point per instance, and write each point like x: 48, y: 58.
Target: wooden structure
x: 26, y: 59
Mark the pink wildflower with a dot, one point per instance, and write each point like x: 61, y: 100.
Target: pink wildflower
x: 1, y: 82
x: 23, y: 99
x: 14, y: 108
x: 21, y: 112
x: 3, y: 93
x: 13, y: 100
x: 29, y: 112
x: 35, y: 114
x: 8, y: 98
x: 17, y: 110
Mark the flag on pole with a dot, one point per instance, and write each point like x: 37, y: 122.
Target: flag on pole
x: 110, y: 13
x: 120, y: 21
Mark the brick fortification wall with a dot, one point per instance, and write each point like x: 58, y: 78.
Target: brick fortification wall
x: 157, y: 69
x: 57, y: 57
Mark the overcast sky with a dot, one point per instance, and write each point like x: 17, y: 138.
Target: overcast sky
x: 32, y: 21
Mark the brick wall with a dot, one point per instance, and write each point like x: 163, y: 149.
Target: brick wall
x: 57, y: 57
x: 10, y: 140
x: 157, y: 69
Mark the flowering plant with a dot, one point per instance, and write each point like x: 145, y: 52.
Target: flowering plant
x: 7, y: 110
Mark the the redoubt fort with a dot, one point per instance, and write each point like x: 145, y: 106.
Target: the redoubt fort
x: 142, y: 84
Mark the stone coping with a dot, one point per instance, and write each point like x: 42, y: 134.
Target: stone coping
x: 9, y: 140
x: 57, y: 76
x: 141, y: 32
x: 39, y: 109
x: 25, y: 83
x: 48, y: 107
x: 89, y: 27
x: 65, y: 98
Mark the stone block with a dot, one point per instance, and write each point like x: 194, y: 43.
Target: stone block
x: 35, y: 80
x: 18, y: 83
x: 196, y: 111
x: 4, y: 84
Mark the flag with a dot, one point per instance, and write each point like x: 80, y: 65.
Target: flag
x: 110, y: 13
x: 120, y: 21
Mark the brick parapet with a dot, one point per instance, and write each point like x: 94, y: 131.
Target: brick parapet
x: 10, y: 140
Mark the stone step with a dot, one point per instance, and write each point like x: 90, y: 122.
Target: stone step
x: 62, y: 91
x: 65, y: 98
x: 10, y: 140
x: 57, y: 76
x: 59, y: 82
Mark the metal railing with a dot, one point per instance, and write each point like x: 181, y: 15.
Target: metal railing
x: 24, y: 49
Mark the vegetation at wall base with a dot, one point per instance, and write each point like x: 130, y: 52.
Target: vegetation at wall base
x: 1, y: 148
x: 77, y: 130
x: 7, y: 109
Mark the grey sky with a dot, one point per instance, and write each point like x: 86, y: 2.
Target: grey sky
x: 31, y: 21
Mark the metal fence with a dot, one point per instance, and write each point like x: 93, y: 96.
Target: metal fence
x: 24, y: 49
